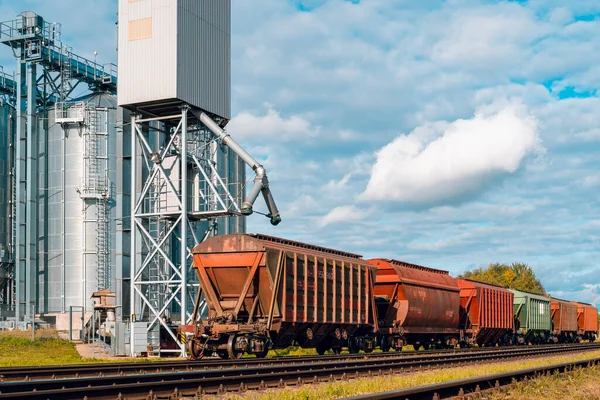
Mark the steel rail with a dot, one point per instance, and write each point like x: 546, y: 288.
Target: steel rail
x: 91, y: 370
x: 465, y: 387
x: 218, y: 381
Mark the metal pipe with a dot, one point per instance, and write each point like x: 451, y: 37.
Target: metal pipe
x: 261, y: 182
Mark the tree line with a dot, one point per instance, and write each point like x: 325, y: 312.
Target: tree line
x: 517, y: 276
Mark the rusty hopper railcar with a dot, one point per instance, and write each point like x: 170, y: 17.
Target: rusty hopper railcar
x: 416, y: 305
x: 486, y: 313
x: 263, y: 291
x: 587, y: 321
x: 564, y: 321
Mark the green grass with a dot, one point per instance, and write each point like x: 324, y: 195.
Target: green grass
x: 17, y: 349
x: 580, y: 384
x: 398, y: 381
x: 22, y: 351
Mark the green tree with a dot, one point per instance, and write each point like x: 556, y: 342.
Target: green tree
x: 518, y: 276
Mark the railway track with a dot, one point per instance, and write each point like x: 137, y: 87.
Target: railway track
x: 93, y: 370
x: 463, y: 388
x: 175, y: 384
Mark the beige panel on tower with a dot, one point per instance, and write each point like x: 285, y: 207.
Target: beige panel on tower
x: 140, y: 29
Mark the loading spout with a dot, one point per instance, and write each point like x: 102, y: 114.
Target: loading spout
x: 261, y: 182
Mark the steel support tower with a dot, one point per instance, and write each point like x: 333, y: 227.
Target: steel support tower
x: 171, y: 155
x: 47, y: 73
x: 179, y: 152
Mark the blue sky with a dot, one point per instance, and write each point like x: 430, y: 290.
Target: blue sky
x: 445, y: 133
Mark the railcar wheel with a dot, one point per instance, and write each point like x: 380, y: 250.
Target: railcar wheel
x: 231, y: 351
x: 193, y: 348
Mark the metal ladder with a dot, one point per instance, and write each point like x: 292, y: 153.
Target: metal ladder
x: 103, y: 271
x: 65, y: 76
x: 90, y: 155
x: 95, y: 186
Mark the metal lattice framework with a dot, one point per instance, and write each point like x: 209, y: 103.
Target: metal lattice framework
x: 177, y: 154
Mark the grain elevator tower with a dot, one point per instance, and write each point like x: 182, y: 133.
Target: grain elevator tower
x: 187, y: 173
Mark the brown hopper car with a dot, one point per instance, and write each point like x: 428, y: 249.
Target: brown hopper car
x: 564, y: 320
x: 587, y: 321
x: 264, y: 291
x: 416, y: 305
x: 486, y: 313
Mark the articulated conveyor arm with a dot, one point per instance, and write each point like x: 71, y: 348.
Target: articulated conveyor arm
x: 261, y: 183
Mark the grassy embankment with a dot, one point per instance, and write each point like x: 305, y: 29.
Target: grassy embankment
x: 17, y: 348
x: 581, y: 384
x: 385, y: 383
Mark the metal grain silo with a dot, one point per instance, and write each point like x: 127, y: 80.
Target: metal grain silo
x: 7, y: 125
x: 77, y: 221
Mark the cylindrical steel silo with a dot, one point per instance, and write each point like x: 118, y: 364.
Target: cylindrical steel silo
x: 77, y: 225
x: 7, y: 125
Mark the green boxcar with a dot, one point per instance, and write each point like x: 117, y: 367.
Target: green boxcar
x: 532, y: 317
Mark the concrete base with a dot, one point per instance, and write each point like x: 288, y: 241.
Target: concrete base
x: 60, y: 322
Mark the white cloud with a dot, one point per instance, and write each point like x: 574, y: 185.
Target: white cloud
x: 334, y: 185
x: 417, y: 168
x: 271, y: 126
x: 343, y: 214
x: 489, y: 37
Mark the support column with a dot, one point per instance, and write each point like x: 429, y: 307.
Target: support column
x: 184, y: 219
x: 133, y: 251
x: 20, y: 170
x: 31, y: 231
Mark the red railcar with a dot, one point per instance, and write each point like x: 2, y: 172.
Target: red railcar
x: 416, y: 305
x: 587, y: 321
x: 486, y: 313
x: 261, y: 291
x: 564, y: 320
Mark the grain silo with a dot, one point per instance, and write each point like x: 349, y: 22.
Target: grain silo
x: 78, y: 190
x: 7, y: 125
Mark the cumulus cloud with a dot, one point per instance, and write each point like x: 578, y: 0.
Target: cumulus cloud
x: 461, y: 160
x: 272, y: 125
x: 343, y: 214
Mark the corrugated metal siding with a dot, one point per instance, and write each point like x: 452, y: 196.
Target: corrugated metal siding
x: 188, y: 56
x: 204, y: 52
x: 6, y: 118
x: 564, y: 315
x: 148, y: 67
x: 51, y: 283
x: 587, y: 317
x: 535, y: 311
